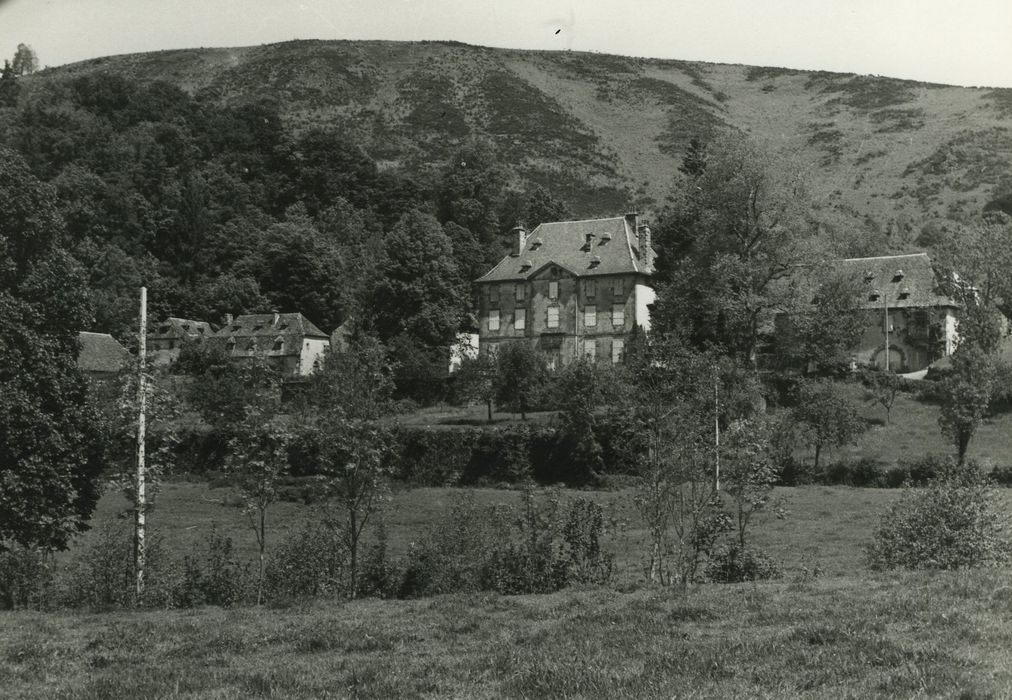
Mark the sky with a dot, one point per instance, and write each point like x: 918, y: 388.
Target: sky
x: 957, y: 42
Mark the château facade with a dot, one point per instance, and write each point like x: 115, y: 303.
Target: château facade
x: 570, y: 288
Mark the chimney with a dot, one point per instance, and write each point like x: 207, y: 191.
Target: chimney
x: 228, y: 319
x: 276, y: 317
x: 643, y: 242
x: 521, y: 238
x: 632, y: 220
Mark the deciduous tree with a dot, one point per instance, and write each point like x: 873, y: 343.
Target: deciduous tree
x: 966, y: 394
x: 826, y: 416
x: 741, y: 233
x: 51, y: 447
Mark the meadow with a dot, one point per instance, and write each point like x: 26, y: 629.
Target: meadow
x: 829, y: 628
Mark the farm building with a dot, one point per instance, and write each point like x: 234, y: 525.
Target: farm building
x: 290, y: 341
x: 165, y: 340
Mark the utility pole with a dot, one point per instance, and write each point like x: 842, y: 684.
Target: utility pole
x: 885, y: 305
x: 716, y: 435
x: 140, y: 505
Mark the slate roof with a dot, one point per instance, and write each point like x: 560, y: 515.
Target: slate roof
x: 260, y: 331
x: 906, y: 281
x: 100, y: 352
x: 180, y: 329
x: 564, y: 244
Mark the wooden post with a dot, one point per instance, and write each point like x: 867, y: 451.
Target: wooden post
x: 716, y: 434
x: 141, y: 505
x: 885, y: 305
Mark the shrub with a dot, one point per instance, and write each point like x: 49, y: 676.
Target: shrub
x: 1002, y: 475
x: 214, y: 577
x: 102, y: 573
x: 26, y: 578
x: 454, y: 555
x: 952, y: 523
x: 537, y: 548
x: 732, y: 564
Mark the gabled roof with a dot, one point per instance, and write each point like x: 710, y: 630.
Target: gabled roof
x: 180, y: 329
x: 259, y: 332
x: 613, y: 249
x: 100, y: 352
x: 900, y: 281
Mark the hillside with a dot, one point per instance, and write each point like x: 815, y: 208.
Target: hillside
x: 607, y: 132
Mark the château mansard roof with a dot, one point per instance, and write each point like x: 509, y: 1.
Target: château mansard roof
x: 901, y: 281
x: 252, y: 333
x: 585, y: 248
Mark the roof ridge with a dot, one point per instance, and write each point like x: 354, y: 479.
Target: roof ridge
x: 886, y: 257
x: 579, y: 221
x: 628, y: 244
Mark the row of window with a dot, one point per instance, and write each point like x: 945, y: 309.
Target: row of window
x: 617, y: 348
x: 552, y: 320
x: 589, y: 290
x: 590, y: 352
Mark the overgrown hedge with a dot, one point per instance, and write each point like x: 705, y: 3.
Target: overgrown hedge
x: 871, y: 473
x: 458, y: 456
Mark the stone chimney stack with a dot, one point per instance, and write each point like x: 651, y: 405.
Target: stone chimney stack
x: 521, y: 237
x: 228, y: 319
x: 643, y: 242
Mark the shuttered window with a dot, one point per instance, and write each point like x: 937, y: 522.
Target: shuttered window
x: 553, y: 316
x: 618, y: 315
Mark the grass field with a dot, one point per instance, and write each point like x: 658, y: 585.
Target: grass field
x: 830, y: 628
x: 826, y: 527
x: 907, y: 635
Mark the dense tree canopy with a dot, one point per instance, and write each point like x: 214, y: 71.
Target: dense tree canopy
x: 50, y: 447
x: 735, y: 237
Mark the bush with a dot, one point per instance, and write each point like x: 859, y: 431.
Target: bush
x: 952, y: 523
x: 539, y: 548
x: 26, y: 579
x: 732, y: 564
x: 1002, y: 475
x: 216, y: 577
x: 865, y: 472
x: 102, y: 573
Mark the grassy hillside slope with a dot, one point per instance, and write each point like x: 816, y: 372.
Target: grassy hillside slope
x: 885, y: 156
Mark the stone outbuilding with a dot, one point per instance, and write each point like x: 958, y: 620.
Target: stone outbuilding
x: 290, y: 341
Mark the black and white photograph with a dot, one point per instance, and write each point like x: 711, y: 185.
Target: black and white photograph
x: 505, y: 349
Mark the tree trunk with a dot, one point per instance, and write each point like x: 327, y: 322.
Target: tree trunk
x: 490, y: 412
x: 818, y: 449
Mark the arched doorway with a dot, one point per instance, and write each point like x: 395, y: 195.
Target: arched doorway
x: 897, y: 359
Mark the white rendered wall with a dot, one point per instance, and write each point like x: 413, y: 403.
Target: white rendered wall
x: 644, y: 297
x: 312, y: 350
